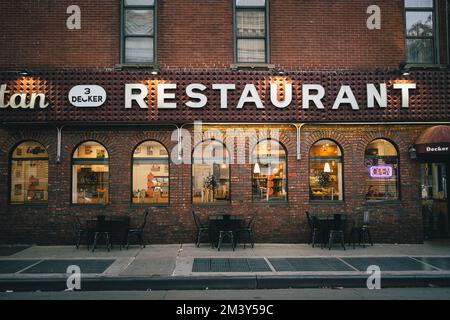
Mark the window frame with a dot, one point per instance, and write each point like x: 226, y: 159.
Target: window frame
x: 150, y: 160
x: 228, y: 163
x: 253, y: 162
x: 10, y: 174
x: 74, y: 161
x: 434, y: 38
x: 399, y: 184
x: 266, y: 37
x: 123, y: 36
x: 326, y: 158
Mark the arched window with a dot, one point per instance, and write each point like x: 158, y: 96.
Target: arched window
x: 210, y: 173
x: 325, y: 171
x: 269, y: 172
x: 382, y: 179
x: 90, y: 174
x: 150, y: 173
x: 29, y: 174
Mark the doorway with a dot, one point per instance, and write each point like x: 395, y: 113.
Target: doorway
x: 435, y: 200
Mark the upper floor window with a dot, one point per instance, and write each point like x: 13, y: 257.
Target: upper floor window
x: 138, y: 31
x: 420, y: 31
x: 90, y: 174
x: 251, y: 37
x: 29, y: 174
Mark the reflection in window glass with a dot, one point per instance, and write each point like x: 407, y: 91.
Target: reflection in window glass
x: 251, y: 33
x: 138, y: 31
x: 325, y: 171
x: 210, y: 173
x: 29, y: 174
x: 420, y: 42
x: 150, y: 173
x: 90, y: 174
x: 250, y: 3
x: 269, y: 172
x: 419, y: 3
x: 381, y: 161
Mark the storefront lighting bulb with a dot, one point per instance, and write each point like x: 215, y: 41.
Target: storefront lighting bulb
x: 327, y: 168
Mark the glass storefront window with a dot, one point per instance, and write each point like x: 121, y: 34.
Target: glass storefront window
x: 90, y: 174
x: 210, y: 173
x: 269, y: 172
x: 150, y: 173
x: 29, y: 174
x: 381, y: 161
x: 325, y: 171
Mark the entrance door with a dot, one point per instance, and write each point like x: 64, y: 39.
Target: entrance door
x: 435, y: 201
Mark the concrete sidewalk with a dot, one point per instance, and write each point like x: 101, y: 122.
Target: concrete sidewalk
x: 186, y: 266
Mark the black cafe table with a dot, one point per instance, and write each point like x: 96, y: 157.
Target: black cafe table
x: 326, y: 224
x: 224, y: 222
x: 116, y: 226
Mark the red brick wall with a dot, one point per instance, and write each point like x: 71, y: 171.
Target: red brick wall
x: 398, y: 221
x: 310, y: 34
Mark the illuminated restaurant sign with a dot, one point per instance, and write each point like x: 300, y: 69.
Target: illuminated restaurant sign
x: 381, y: 172
x: 21, y: 100
x: 312, y: 95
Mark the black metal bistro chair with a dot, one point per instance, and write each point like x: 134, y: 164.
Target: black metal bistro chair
x: 138, y: 232
x: 82, y: 230
x: 227, y: 228
x: 102, y: 230
x: 201, y: 229
x: 314, y: 228
x: 247, y: 230
x: 362, y: 232
x: 336, y: 231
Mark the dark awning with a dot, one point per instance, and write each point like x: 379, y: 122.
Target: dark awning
x: 434, y: 140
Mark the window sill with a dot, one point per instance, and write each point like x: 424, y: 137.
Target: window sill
x: 418, y: 66
x: 146, y: 205
x: 271, y: 204
x: 123, y: 66
x: 326, y: 201
x: 91, y: 205
x: 33, y: 205
x: 240, y: 66
x: 376, y: 202
x: 212, y: 204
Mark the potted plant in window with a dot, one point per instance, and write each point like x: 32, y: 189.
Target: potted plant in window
x: 210, y: 184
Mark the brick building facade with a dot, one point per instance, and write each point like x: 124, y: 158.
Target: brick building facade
x: 307, y: 42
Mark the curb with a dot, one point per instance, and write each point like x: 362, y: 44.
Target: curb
x: 221, y: 283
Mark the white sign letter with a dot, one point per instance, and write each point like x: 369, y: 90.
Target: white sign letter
x: 287, y: 95
x: 223, y: 87
x: 138, y: 97
x: 196, y: 95
x: 373, y: 94
x: 316, y: 98
x: 405, y: 87
x: 253, y: 98
x: 162, y: 96
x: 345, y: 95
